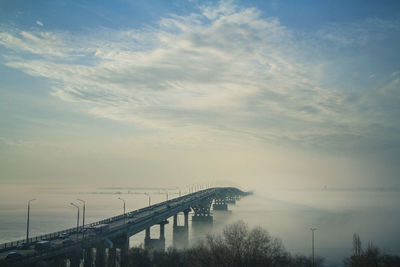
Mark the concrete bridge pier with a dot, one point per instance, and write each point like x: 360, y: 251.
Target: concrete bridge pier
x: 156, y: 244
x: 37, y: 264
x: 181, y: 233
x: 147, y: 236
x: 112, y: 257
x: 202, y: 220
x: 202, y: 214
x: 231, y: 199
x: 121, y: 244
x: 220, y: 203
x: 72, y: 258
x: 75, y: 259
x: 59, y: 261
x: 124, y: 253
x: 88, y: 257
x: 100, y: 260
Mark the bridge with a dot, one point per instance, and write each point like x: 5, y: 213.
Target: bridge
x: 112, y: 241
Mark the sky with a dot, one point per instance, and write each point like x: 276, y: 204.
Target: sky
x: 272, y: 93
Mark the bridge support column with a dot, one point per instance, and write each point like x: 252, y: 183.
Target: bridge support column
x: 112, y: 257
x: 220, y: 204
x: 88, y: 257
x: 100, y: 255
x: 181, y: 233
x: 186, y: 218
x: 124, y: 255
x: 74, y: 257
x: 156, y: 244
x: 121, y: 244
x: 162, y: 230
x: 75, y: 261
x: 202, y: 220
x: 147, y: 238
x: 59, y: 261
x: 231, y: 199
x: 202, y: 213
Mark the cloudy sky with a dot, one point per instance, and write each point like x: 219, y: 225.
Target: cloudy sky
x: 128, y: 92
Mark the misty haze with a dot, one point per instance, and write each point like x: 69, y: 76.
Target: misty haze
x: 192, y: 133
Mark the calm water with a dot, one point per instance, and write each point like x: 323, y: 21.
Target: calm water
x: 374, y: 215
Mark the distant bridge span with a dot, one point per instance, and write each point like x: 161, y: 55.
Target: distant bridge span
x: 120, y: 228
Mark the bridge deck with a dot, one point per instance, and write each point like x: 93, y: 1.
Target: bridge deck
x: 133, y: 222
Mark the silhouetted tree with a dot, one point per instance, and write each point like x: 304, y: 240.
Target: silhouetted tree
x: 390, y: 261
x: 198, y: 256
x: 169, y: 258
x: 237, y: 246
x: 138, y: 257
x: 371, y: 257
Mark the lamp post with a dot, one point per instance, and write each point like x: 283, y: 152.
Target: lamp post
x: 27, y: 223
x: 83, y: 216
x: 147, y: 194
x: 124, y: 206
x: 166, y: 195
x: 312, y: 231
x: 77, y: 220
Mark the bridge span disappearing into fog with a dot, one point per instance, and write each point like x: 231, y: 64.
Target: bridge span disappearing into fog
x: 105, y: 242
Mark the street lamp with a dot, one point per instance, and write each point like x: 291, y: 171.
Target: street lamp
x: 124, y: 204
x: 166, y: 195
x: 27, y: 223
x: 77, y: 220
x: 147, y: 194
x: 83, y: 215
x: 312, y: 231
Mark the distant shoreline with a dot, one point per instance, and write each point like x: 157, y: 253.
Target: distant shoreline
x: 351, y: 189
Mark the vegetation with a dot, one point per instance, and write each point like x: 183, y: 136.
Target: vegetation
x: 371, y: 257
x: 237, y: 246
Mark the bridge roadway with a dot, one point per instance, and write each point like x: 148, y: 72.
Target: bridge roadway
x: 133, y: 222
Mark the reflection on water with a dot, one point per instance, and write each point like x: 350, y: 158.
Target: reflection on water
x: 285, y: 214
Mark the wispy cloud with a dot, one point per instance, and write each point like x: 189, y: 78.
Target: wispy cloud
x: 225, y: 69
x: 358, y: 33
